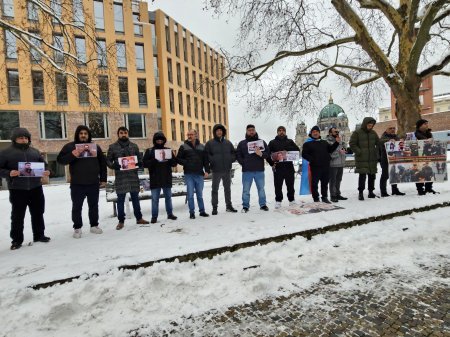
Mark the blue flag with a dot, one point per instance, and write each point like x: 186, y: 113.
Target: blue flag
x: 305, y: 181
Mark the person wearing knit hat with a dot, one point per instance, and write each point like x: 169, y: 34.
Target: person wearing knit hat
x: 283, y: 171
x: 420, y: 124
x: 23, y: 191
x: 423, y: 132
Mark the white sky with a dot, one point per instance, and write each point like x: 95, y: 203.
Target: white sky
x: 221, y: 32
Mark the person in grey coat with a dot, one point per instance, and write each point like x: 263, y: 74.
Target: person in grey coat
x: 23, y: 191
x: 221, y: 154
x: 127, y: 181
x: 337, y: 164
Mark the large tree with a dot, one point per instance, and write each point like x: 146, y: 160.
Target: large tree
x: 365, y: 43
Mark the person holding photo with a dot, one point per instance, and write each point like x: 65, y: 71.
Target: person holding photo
x: 23, y: 191
x: 423, y: 132
x: 127, y: 181
x: 390, y: 136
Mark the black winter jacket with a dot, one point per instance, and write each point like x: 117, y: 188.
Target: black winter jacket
x: 282, y: 144
x: 317, y: 152
x: 383, y: 140
x: 221, y: 153
x: 251, y: 162
x: 194, y: 159
x: 423, y: 135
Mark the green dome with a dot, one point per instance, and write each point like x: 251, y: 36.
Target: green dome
x: 331, y: 111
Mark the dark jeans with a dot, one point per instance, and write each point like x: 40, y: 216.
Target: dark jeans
x: 362, y: 182
x: 428, y: 187
x: 385, y: 177
x: 335, y: 181
x: 121, y: 206
x: 156, y: 193
x: 78, y: 193
x: 287, y: 175
x: 226, y: 182
x: 35, y: 201
x: 321, y: 174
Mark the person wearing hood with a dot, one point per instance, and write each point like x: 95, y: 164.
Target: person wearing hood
x: 127, y: 181
x: 252, y: 168
x: 283, y: 171
x: 337, y: 164
x: 423, y: 132
x: 23, y: 191
x: 221, y: 154
x: 87, y: 175
x: 388, y: 136
x: 194, y: 159
x: 160, y: 175
x: 317, y: 152
x: 364, y: 143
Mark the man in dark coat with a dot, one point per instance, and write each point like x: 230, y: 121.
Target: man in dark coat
x: 160, y: 175
x: 337, y: 165
x: 252, y: 162
x: 87, y: 175
x: 283, y: 171
x: 364, y: 143
x: 317, y: 153
x: 126, y: 181
x: 194, y: 159
x: 23, y: 191
x: 388, y: 136
x: 424, y: 133
x: 221, y: 154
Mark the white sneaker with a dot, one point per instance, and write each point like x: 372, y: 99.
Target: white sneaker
x: 278, y: 204
x: 77, y: 233
x: 292, y: 203
x: 96, y: 230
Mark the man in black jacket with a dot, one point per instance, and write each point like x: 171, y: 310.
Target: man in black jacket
x: 87, y: 175
x: 194, y: 159
x: 317, y: 153
x: 221, y: 154
x: 252, y: 159
x: 389, y: 136
x: 283, y: 171
x: 424, y: 133
x: 23, y: 191
x: 160, y: 175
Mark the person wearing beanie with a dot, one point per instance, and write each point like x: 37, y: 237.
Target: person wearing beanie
x: 160, y: 171
x: 87, y: 175
x: 23, y: 191
x: 423, y: 132
x: 364, y: 143
x: 337, y: 164
x: 221, y: 155
x: 252, y: 163
x: 127, y: 181
x: 283, y: 171
x: 317, y: 152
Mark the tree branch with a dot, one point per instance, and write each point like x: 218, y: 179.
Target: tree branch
x: 390, y: 12
x: 436, y: 68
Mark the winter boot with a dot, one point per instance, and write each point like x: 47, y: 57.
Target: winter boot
x: 153, y: 220
x: 120, y: 225
x: 244, y: 210
x: 361, y: 196
x: 372, y: 195
x: 204, y: 214
x: 214, y: 211
x: 171, y: 217
x: 385, y: 194
x: 325, y: 200
x: 231, y: 209
x: 142, y: 222
x: 15, y: 245
x: 277, y: 204
x: 334, y: 199
x: 43, y: 238
x: 395, y: 191
x: 316, y: 199
x: 340, y: 197
x: 264, y: 208
x: 191, y: 216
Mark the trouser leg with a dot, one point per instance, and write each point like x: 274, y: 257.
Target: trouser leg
x: 333, y: 176
x: 371, y: 182
x: 315, y: 176
x: 324, y: 178
x: 199, y: 183
x: 92, y: 193
x: 278, y: 178
x: 289, y: 179
x: 247, y: 180
x: 384, y: 177
x: 121, y: 207
x: 77, y: 194
x: 216, y: 177
x: 156, y: 192
x: 37, y: 208
x: 136, y: 205
x: 168, y: 200
x: 361, y: 182
x: 260, y: 182
x: 19, y: 203
x: 226, y: 181
x: 340, y: 173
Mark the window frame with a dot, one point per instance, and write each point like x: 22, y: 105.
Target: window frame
x: 143, y: 121
x: 63, y: 120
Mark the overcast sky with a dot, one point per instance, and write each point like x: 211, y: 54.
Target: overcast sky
x: 221, y: 33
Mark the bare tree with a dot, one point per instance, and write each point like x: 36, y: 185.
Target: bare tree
x: 365, y: 43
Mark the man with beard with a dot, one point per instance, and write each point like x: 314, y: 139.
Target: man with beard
x: 424, y: 133
x: 252, y: 168
x: 283, y: 171
x: 23, y: 191
x: 27, y: 171
x: 388, y: 136
x: 126, y: 181
x: 87, y: 175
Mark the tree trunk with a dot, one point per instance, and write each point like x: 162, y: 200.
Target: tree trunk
x: 407, y: 111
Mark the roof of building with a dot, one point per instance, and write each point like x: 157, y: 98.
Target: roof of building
x: 331, y: 111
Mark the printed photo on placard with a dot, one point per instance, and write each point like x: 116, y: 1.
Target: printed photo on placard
x: 127, y: 163
x: 163, y: 154
x: 293, y: 156
x: 251, y: 146
x: 279, y: 156
x: 31, y: 169
x: 86, y: 150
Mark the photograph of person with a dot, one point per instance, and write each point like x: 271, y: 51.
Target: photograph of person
x: 31, y: 169
x: 86, y: 150
x: 127, y: 163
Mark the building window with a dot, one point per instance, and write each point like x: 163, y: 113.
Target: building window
x: 194, y: 81
x: 58, y: 44
x: 56, y: 6
x: 118, y: 18
x: 213, y: 90
x: 38, y: 87
x: 7, y: 8
x: 211, y: 58
x: 209, y: 111
x: 137, y: 28
x: 173, y: 129
x: 101, y: 54
x: 220, y: 115
x: 154, y: 39
x: 177, y: 45
x: 185, y: 46
x: 207, y: 87
x: 205, y: 57
x: 140, y: 61
x: 223, y: 94
x: 121, y: 55
x: 83, y: 90
x: 171, y: 101
x: 78, y: 14
x: 186, y: 78
x: 188, y: 105
x: 136, y: 125
x: 10, y: 45
x: 202, y: 109
x: 222, y: 69
x: 8, y: 121
x: 99, y: 15
x: 169, y: 70
x: 180, y: 103
x: 32, y: 12
x: 204, y: 133
x: 123, y: 92
x: 199, y: 55
x: 167, y: 30
x: 182, y: 129
x: 217, y: 65
x: 13, y: 86
x: 35, y: 56
x: 52, y: 125
x: 103, y: 86
x: 156, y: 69
x: 61, y: 88
x: 179, y: 74
x: 98, y: 124
x: 192, y: 51
x: 215, y: 113
x: 80, y: 45
x: 224, y: 116
x: 201, y: 84
x: 195, y: 107
x: 142, y: 92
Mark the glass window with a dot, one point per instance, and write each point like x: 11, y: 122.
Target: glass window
x: 195, y: 107
x: 103, y: 86
x: 142, y: 92
x: 123, y: 91
x: 61, y: 88
x: 140, y: 62
x: 199, y: 55
x: 52, y: 125
x: 218, y: 91
x: 97, y: 123
x: 194, y: 81
x: 80, y: 45
x: 189, y: 126
x: 185, y: 46
x: 99, y: 15
x: 8, y: 121
x: 186, y: 78
x: 207, y: 87
x: 58, y: 44
x: 215, y: 113
x: 35, y: 56
x: 10, y: 45
x: 154, y: 41
x: 182, y: 129
x: 204, y: 133
x: 188, y: 105
x: 169, y: 70
x: 156, y: 69
x: 205, y: 58
x: 38, y: 87
x: 192, y: 51
x: 209, y: 111
x: 180, y: 103
x: 173, y: 129
x: 118, y: 18
x: 224, y: 116
x: 223, y: 94
x: 7, y: 8
x: 136, y: 125
x: 201, y: 84
x: 177, y: 44
x: 83, y: 90
x: 101, y: 53
x: 171, y: 101
x: 121, y: 55
x: 33, y: 14
x: 13, y: 86
x: 179, y: 74
x: 168, y: 39
x: 78, y: 14
x: 202, y: 108
x: 56, y: 6
x: 213, y: 90
x: 137, y: 28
